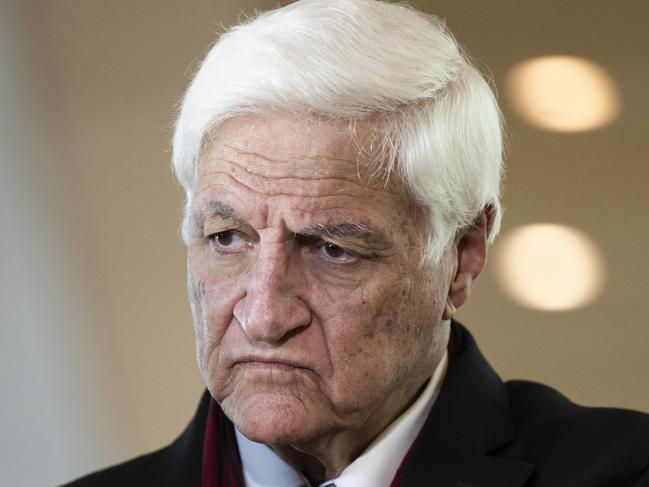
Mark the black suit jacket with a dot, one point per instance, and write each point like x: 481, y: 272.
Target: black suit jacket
x: 480, y: 433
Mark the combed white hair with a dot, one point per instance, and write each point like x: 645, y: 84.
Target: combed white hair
x: 359, y: 59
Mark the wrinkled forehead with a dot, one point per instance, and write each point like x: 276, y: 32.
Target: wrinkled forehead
x: 307, y: 147
x: 291, y: 172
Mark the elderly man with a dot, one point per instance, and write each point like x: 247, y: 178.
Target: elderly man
x: 341, y: 161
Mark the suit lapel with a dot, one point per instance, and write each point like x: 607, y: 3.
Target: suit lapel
x: 469, y: 422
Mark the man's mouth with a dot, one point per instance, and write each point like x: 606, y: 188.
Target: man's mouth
x: 270, y: 363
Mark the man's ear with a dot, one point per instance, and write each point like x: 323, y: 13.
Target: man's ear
x: 470, y: 253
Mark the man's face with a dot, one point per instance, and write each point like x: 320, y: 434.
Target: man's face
x: 312, y: 312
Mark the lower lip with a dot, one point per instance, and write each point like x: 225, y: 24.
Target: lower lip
x: 268, y: 366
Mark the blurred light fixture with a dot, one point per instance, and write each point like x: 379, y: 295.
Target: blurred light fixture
x: 549, y: 267
x: 563, y: 93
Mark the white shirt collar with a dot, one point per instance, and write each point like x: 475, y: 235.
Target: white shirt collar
x: 376, y: 466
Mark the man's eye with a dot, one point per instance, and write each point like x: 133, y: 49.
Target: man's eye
x: 228, y: 240
x: 336, y: 253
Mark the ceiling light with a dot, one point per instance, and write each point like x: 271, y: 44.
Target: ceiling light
x: 563, y: 93
x: 549, y: 267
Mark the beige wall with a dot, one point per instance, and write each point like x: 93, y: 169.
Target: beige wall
x: 112, y: 72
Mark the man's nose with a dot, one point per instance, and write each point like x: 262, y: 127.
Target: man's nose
x: 273, y: 306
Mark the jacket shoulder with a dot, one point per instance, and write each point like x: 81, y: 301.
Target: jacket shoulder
x: 143, y: 470
x: 178, y: 464
x: 534, y: 404
x: 608, y: 445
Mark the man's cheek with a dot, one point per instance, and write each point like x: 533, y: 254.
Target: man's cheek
x: 210, y: 318
x: 371, y: 310
x: 217, y: 320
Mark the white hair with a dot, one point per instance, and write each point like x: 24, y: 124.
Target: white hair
x: 361, y: 59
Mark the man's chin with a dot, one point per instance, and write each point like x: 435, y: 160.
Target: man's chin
x: 275, y: 419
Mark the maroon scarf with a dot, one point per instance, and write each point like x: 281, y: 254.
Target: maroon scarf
x: 221, y: 460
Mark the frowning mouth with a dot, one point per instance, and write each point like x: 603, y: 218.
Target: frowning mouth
x: 269, y: 364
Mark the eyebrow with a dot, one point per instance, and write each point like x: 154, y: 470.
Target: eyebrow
x: 219, y: 208
x: 331, y: 230
x: 357, y: 230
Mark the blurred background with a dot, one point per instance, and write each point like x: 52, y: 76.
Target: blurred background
x: 96, y: 358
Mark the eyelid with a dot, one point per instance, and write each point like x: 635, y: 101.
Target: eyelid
x: 317, y: 240
x: 219, y: 225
